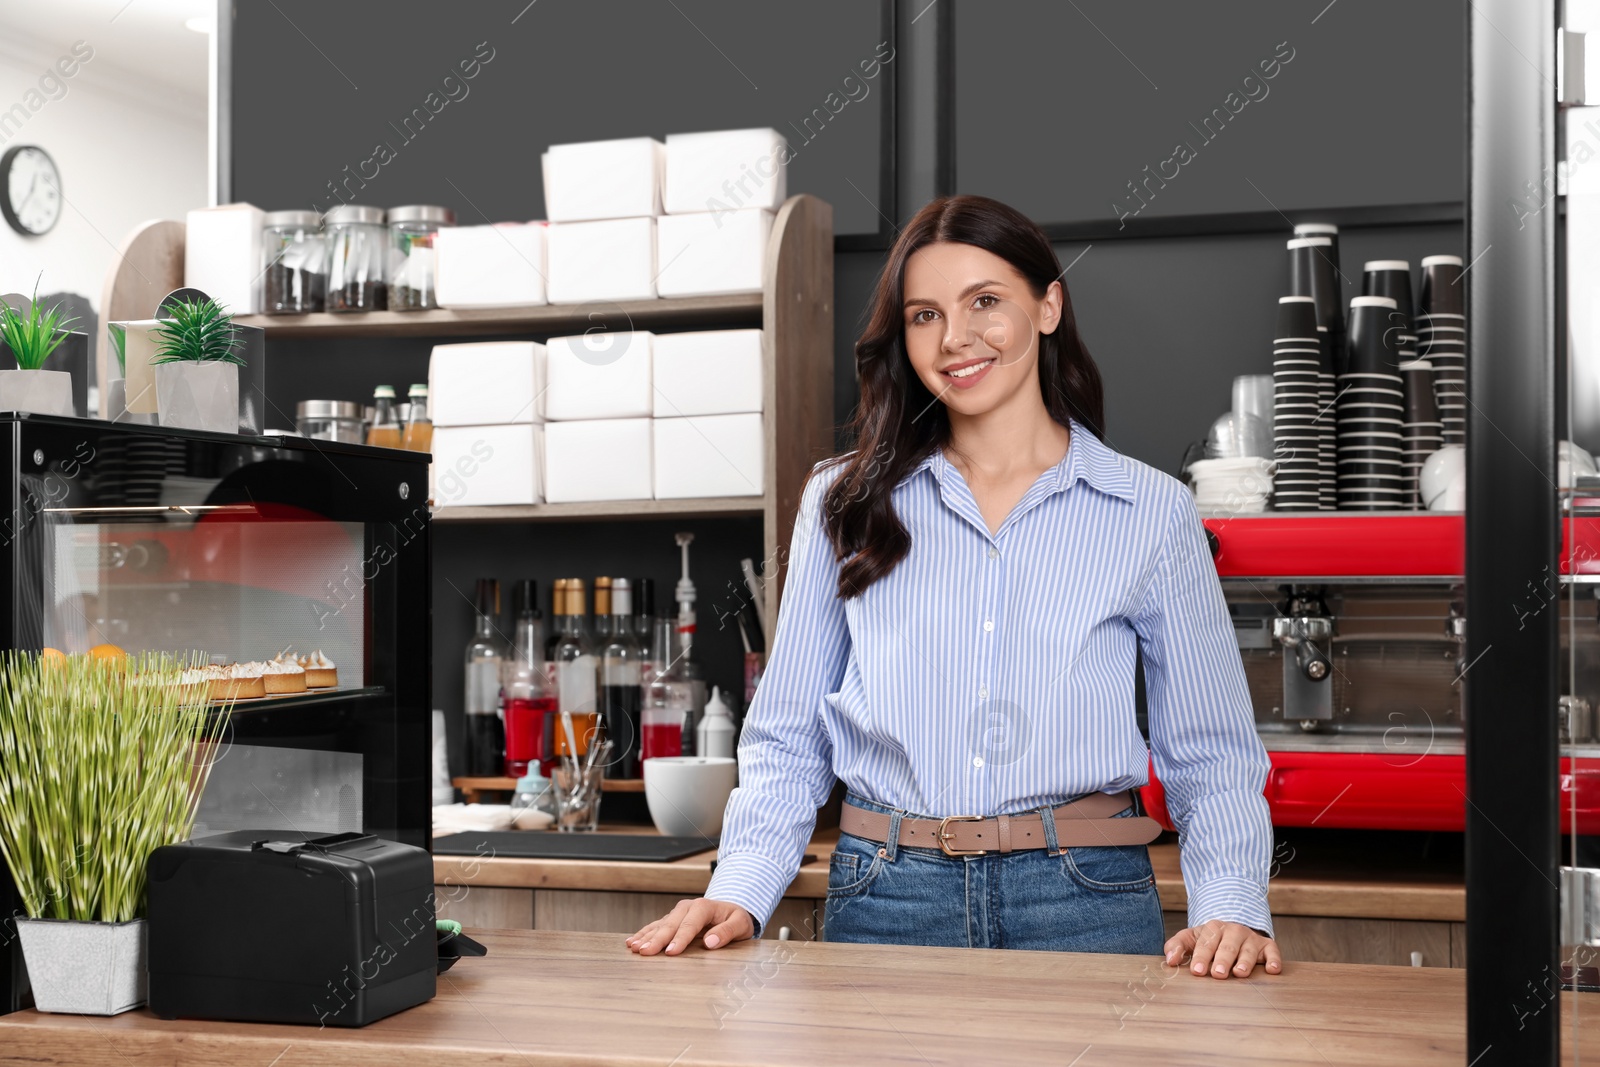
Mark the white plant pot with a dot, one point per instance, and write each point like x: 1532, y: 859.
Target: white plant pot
x: 42, y: 392
x: 85, y: 968
x: 198, y: 396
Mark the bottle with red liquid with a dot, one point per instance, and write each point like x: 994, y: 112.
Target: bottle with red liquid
x: 668, y: 696
x: 525, y: 689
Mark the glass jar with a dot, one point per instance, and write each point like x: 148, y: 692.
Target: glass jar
x: 296, y: 262
x: 411, y: 261
x: 329, y: 420
x: 357, y: 250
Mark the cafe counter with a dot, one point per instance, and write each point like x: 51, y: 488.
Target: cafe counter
x: 1333, y: 899
x: 575, y: 998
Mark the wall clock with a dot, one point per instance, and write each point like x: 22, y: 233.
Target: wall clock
x: 30, y: 190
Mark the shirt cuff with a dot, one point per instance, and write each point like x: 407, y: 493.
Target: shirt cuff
x: 1234, y: 900
x: 750, y: 881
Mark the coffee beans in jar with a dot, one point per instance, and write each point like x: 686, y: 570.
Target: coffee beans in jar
x: 297, y: 262
x: 357, y: 255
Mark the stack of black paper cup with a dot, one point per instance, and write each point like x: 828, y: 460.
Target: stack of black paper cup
x: 1442, y: 341
x: 1392, y: 278
x: 1296, y: 402
x: 1321, y: 229
x: 1423, y: 433
x: 1370, y: 407
x: 1328, y: 471
x: 1314, y: 272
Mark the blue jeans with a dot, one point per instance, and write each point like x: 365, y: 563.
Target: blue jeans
x: 1099, y: 898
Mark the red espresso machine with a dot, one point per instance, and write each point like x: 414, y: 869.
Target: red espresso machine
x: 1352, y: 636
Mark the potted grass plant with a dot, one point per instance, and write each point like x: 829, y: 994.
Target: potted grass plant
x: 102, y: 761
x: 197, y: 367
x: 32, y: 337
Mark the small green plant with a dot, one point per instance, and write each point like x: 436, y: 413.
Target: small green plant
x: 34, y: 336
x: 119, y: 345
x: 197, y: 331
x: 102, y: 761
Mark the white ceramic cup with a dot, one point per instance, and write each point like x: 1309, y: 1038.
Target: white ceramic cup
x: 1438, y: 471
x: 687, y: 794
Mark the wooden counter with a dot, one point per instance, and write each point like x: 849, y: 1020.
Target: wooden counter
x: 1312, y: 888
x: 1335, y: 898
x: 544, y: 998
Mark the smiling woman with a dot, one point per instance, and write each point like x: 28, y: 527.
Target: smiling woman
x: 967, y: 592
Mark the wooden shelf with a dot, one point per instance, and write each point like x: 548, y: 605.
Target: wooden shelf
x: 698, y: 507
x: 543, y: 319
x: 472, y: 788
x: 794, y: 313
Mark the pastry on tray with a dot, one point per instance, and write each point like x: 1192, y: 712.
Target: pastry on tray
x: 282, y: 676
x: 320, y: 671
x: 238, y: 681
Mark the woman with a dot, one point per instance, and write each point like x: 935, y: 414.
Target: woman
x: 965, y: 595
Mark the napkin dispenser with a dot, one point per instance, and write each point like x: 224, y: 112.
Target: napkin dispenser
x: 274, y: 926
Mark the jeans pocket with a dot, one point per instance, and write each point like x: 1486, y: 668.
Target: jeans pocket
x: 850, y: 872
x: 1110, y: 868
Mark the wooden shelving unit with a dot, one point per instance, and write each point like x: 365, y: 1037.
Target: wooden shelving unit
x: 472, y: 789
x: 698, y: 507
x: 549, y: 320
x: 794, y: 312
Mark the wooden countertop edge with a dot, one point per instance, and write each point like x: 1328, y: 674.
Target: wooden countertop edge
x: 1399, y: 899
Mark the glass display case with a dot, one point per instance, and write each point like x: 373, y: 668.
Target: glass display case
x: 239, y: 551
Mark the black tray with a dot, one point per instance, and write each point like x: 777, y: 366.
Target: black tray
x: 552, y: 845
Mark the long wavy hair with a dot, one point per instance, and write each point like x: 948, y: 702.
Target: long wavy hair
x: 898, y: 422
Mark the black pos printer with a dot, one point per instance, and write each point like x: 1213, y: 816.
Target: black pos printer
x: 271, y: 926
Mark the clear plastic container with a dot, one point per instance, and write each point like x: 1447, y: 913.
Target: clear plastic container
x: 411, y: 261
x: 357, y: 251
x: 296, y: 252
x: 1235, y: 435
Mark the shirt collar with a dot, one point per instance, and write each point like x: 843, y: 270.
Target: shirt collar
x: 1088, y: 459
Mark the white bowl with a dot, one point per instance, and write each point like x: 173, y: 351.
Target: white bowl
x: 687, y: 794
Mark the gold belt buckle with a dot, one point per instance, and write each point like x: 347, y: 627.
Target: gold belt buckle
x: 943, y: 836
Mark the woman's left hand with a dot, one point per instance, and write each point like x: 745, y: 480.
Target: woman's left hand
x: 1223, y: 949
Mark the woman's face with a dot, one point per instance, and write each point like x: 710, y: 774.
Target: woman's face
x: 972, y: 326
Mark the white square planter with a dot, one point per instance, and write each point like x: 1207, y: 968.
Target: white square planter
x: 198, y: 396
x: 42, y: 392
x: 85, y: 968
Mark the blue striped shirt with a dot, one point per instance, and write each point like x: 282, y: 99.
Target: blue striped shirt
x: 991, y: 674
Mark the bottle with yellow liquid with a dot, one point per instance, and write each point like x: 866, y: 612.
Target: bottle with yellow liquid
x: 385, y: 430
x: 418, y: 434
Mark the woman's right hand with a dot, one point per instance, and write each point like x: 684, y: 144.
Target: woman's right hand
x: 723, y: 923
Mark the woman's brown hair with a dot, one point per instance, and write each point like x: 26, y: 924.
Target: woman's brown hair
x: 898, y: 422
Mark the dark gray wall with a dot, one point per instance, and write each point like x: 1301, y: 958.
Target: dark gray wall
x: 1060, y: 106
x: 1037, y: 102
x: 322, y: 88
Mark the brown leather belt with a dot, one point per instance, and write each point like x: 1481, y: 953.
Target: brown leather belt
x: 1086, y: 821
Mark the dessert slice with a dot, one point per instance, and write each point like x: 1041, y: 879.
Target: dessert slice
x: 239, y: 681
x: 320, y: 671
x: 283, y: 676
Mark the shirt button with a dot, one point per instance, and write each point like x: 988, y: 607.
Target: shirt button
x: 994, y: 553
x: 977, y: 761
x: 988, y: 624
x: 983, y: 692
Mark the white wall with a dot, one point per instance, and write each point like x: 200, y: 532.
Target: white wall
x: 128, y: 150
